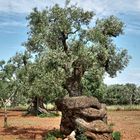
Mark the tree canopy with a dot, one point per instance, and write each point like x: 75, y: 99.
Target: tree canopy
x: 68, y: 41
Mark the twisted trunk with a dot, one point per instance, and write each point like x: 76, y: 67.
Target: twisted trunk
x: 5, y: 116
x: 36, y: 104
x: 73, y: 83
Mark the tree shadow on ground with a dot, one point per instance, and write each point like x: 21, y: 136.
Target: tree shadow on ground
x: 26, y: 133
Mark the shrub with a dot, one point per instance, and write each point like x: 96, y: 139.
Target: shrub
x: 116, y: 135
x: 52, y: 135
x: 80, y: 134
x: 81, y: 137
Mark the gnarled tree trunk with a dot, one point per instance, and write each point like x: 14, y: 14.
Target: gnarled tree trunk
x: 73, y: 83
x: 37, y: 103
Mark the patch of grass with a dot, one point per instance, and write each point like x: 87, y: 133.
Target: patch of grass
x: 123, y: 107
x: 18, y: 108
x: 81, y: 137
x: 116, y: 135
x: 52, y: 135
x: 48, y: 115
x: 80, y: 134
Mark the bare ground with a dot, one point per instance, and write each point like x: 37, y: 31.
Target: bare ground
x: 127, y: 122
x: 34, y: 128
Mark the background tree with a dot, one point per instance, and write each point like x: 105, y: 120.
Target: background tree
x: 12, y: 74
x: 44, y: 85
x: 93, y: 84
x: 132, y: 92
x: 7, y: 86
x: 122, y: 94
x: 137, y: 97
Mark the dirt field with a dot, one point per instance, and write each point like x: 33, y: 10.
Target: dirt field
x: 34, y: 128
x: 127, y: 122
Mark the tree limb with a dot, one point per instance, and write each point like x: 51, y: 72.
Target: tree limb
x: 73, y: 32
x: 64, y: 38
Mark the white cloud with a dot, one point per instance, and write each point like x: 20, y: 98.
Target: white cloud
x: 101, y: 7
x: 108, y: 7
x: 22, y: 6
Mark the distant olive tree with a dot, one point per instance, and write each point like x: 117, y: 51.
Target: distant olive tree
x: 122, y: 94
x: 8, y: 87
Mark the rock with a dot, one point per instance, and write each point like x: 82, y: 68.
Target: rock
x: 71, y: 136
x: 77, y: 103
x: 97, y: 126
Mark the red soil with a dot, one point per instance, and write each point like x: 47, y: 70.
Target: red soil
x: 34, y: 128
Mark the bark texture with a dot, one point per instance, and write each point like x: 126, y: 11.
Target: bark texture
x: 87, y: 113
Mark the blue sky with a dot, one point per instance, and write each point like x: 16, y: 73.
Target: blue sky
x: 13, y: 28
